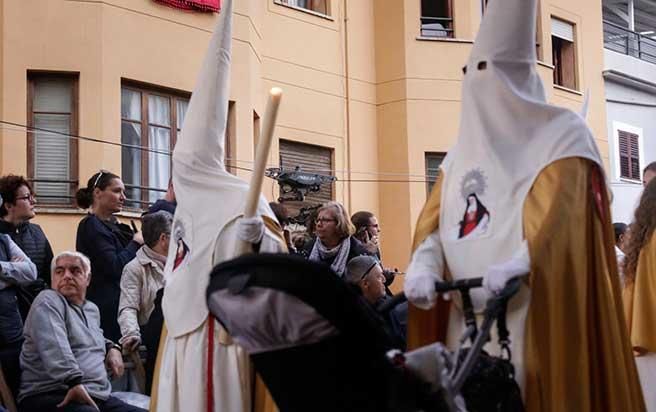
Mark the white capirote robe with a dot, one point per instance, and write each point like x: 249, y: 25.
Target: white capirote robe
x: 183, y: 377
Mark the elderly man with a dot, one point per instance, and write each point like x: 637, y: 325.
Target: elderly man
x: 65, y: 355
x: 365, y: 274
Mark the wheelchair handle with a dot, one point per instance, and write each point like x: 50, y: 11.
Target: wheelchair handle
x: 440, y: 287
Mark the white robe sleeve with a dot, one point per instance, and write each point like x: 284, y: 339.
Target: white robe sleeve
x: 428, y: 259
x: 426, y: 267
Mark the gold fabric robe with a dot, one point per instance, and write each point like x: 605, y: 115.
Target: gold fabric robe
x: 639, y: 297
x: 577, y: 353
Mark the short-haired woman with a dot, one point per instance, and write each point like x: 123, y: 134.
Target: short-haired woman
x: 109, y: 244
x: 334, y: 244
x: 639, y: 293
x: 15, y: 214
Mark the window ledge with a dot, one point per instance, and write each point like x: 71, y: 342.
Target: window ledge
x: 63, y: 210
x: 444, y: 39
x: 632, y: 182
x: 568, y: 90
x: 304, y: 10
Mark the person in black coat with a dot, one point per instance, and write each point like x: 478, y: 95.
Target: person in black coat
x: 15, y: 213
x: 109, y: 244
x: 167, y: 203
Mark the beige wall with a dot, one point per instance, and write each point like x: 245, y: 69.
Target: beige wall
x: 360, y: 82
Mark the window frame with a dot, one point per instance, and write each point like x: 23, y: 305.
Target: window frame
x: 559, y: 74
x: 430, y: 183
x: 294, y: 206
x: 451, y: 31
x: 73, y: 181
x: 326, y: 15
x: 145, y: 90
x: 617, y: 169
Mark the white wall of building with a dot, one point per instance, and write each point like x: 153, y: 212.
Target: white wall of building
x: 631, y: 106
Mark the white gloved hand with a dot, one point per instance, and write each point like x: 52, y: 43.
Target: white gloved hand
x: 250, y: 229
x: 419, y: 288
x: 497, y: 276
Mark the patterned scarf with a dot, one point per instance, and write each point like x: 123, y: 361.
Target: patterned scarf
x: 340, y: 253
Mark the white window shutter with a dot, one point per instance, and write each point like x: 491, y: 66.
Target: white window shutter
x: 52, y: 156
x: 562, y: 29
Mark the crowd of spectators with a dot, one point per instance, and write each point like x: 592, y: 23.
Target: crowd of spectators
x: 65, y: 345
x: 67, y: 321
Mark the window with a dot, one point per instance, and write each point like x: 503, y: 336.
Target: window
x: 433, y: 161
x: 436, y: 18
x: 317, y: 6
x: 52, y: 157
x: 151, y: 119
x: 229, y: 140
x: 310, y: 158
x: 563, y: 53
x: 629, y: 151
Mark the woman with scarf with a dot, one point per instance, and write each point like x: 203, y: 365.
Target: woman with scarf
x: 108, y: 243
x: 334, y: 244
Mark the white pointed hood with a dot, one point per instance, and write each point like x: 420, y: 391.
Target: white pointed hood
x: 208, y: 197
x: 508, y: 134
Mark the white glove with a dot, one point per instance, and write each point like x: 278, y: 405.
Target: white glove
x: 419, y: 288
x: 425, y: 269
x: 250, y: 229
x: 497, y: 276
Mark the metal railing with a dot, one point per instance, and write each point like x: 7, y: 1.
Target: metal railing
x: 436, y: 26
x: 630, y: 43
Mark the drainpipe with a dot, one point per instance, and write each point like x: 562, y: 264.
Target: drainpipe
x: 631, y: 7
x: 347, y: 96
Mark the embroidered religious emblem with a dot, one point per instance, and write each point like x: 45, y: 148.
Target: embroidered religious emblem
x: 476, y: 217
x: 182, y: 249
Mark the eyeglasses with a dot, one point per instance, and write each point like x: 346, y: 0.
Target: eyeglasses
x: 324, y: 220
x: 26, y: 197
x: 366, y: 272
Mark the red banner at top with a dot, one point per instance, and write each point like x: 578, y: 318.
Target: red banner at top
x: 197, y: 5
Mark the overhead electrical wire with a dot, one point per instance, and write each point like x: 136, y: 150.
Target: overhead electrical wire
x: 17, y: 127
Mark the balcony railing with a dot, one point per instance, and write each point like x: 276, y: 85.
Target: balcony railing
x: 436, y: 26
x: 622, y: 40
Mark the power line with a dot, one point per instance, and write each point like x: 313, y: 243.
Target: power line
x: 32, y: 129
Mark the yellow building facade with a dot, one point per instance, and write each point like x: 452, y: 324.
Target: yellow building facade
x: 376, y: 83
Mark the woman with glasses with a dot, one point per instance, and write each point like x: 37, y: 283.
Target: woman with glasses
x: 108, y: 243
x: 334, y: 245
x: 15, y: 214
x: 16, y: 268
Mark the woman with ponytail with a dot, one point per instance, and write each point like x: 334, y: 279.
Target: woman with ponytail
x: 109, y: 244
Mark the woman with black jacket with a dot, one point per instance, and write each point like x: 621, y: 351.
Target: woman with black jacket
x: 109, y: 244
x: 15, y: 214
